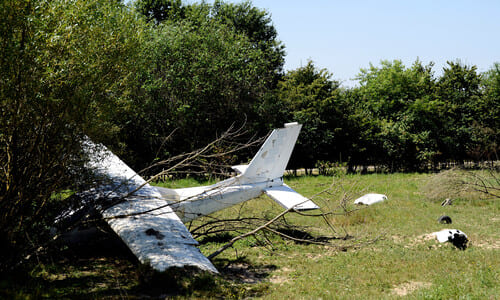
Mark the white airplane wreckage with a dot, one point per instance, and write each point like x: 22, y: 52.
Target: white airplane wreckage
x: 150, y: 220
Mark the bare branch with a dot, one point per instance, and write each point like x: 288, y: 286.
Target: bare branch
x: 234, y: 240
x: 188, y: 158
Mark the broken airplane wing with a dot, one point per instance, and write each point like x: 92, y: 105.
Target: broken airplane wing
x: 145, y: 222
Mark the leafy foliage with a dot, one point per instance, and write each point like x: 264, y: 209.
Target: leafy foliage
x: 161, y: 10
x: 197, y: 80
x: 403, y: 111
x: 459, y: 90
x: 241, y: 18
x: 63, y: 76
x: 310, y: 96
x: 487, y: 126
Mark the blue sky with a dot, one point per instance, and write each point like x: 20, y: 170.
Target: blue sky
x: 344, y: 36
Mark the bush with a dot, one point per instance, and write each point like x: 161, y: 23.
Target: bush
x: 63, y: 77
x: 328, y: 168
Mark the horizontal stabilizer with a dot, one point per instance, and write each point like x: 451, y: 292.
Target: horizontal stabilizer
x: 239, y: 169
x: 288, y: 198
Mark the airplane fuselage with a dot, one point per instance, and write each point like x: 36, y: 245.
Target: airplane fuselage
x: 192, y: 203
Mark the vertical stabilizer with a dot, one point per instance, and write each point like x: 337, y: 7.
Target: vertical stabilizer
x: 271, y: 159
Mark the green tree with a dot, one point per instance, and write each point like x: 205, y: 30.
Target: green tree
x: 207, y: 66
x: 198, y: 79
x: 310, y: 95
x: 459, y: 89
x: 63, y: 76
x: 360, y: 145
x: 257, y: 25
x: 401, y: 102
x: 242, y: 18
x: 161, y: 10
x: 487, y: 133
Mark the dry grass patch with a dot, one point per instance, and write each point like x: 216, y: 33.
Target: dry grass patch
x: 487, y: 244
x: 409, y: 287
x: 463, y: 184
x: 282, y: 277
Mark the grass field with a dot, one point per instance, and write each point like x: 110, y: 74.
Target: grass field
x: 387, y: 252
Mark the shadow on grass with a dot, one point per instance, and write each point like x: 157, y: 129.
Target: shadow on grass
x: 240, y: 270
x: 304, y: 237
x: 106, y: 268
x: 237, y: 279
x: 223, y: 237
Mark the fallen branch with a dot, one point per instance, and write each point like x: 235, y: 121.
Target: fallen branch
x: 234, y: 240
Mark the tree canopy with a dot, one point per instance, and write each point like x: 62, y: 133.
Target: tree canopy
x: 310, y: 97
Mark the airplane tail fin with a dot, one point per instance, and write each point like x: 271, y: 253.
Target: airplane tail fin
x: 271, y: 159
x: 270, y: 162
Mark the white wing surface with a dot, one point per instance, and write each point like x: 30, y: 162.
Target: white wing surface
x: 149, y: 227
x: 370, y: 199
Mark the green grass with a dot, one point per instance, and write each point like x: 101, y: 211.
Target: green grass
x: 402, y: 258
x: 401, y: 261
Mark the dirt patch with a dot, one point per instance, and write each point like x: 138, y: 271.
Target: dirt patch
x: 283, y: 277
x: 279, y: 279
x: 490, y: 245
x: 314, y: 256
x: 419, y: 240
x: 425, y: 237
x: 397, y: 239
x: 245, y: 273
x: 409, y: 287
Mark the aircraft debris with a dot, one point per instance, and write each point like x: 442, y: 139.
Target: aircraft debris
x: 370, y: 199
x: 150, y: 219
x: 447, y: 201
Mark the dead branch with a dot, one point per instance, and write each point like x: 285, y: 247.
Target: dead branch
x: 211, y: 226
x: 267, y: 226
x: 191, y: 159
x: 488, y: 184
x: 234, y: 240
x: 305, y: 241
x: 184, y: 159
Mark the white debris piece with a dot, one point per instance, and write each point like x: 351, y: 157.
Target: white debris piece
x: 370, y: 199
x: 289, y: 198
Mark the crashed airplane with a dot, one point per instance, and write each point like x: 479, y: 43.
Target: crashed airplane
x: 151, y: 219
